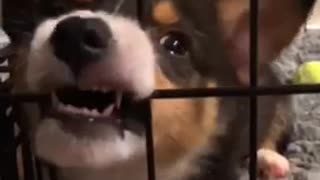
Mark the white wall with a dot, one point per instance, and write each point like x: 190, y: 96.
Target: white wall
x: 314, y: 22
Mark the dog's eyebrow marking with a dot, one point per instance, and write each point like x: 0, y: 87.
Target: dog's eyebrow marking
x: 165, y: 13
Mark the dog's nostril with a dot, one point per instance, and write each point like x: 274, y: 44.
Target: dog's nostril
x: 78, y: 41
x: 92, y: 40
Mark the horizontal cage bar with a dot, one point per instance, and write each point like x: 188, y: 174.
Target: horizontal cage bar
x: 197, y: 93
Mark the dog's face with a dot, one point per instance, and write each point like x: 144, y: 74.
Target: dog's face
x: 98, y: 63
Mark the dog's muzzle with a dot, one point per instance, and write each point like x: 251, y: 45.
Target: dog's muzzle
x: 78, y: 41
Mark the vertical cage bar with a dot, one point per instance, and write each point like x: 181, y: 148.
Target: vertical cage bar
x: 28, y: 162
x: 8, y: 160
x: 254, y: 12
x: 52, y: 172
x: 26, y: 154
x: 38, y: 167
x: 149, y: 143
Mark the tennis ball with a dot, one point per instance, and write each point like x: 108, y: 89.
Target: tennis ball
x: 308, y: 73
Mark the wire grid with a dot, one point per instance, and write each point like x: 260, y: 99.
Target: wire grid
x: 33, y: 169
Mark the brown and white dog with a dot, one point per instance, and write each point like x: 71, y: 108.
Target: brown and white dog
x: 97, y: 62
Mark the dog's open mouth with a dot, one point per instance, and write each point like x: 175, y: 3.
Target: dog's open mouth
x: 89, y: 104
x: 93, y: 110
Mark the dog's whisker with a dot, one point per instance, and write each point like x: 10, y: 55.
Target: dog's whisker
x: 118, y: 6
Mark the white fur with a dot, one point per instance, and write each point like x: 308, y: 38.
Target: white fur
x: 134, y: 54
x: 132, y: 65
x: 65, y: 150
x: 42, y: 64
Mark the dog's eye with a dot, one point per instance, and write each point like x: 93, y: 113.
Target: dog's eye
x: 175, y: 43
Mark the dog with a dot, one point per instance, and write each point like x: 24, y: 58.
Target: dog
x: 98, y: 63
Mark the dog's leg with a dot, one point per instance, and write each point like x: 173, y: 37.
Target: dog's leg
x: 270, y: 161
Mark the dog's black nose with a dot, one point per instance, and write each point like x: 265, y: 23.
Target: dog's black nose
x: 78, y: 41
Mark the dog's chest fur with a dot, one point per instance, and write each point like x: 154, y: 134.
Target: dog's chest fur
x: 134, y: 170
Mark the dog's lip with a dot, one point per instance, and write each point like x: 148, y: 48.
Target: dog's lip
x: 84, y: 122
x: 127, y: 114
x: 110, y: 113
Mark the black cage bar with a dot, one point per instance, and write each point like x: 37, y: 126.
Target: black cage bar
x: 254, y: 6
x: 33, y: 168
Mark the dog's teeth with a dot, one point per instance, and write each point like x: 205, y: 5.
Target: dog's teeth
x: 68, y: 107
x: 99, y: 88
x: 54, y: 99
x: 8, y: 111
x: 72, y: 109
x: 60, y: 107
x: 118, y: 99
x: 94, y: 112
x: 86, y: 110
x: 108, y: 110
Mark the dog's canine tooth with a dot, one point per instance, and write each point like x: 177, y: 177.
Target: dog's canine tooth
x: 118, y: 99
x: 86, y: 110
x: 72, y: 109
x: 54, y: 100
x: 94, y: 113
x: 108, y: 110
x: 60, y: 107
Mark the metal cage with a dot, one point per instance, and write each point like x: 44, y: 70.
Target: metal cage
x: 33, y: 169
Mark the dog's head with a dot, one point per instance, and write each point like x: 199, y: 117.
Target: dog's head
x: 98, y: 63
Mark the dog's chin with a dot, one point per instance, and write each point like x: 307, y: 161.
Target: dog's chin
x: 93, y: 129
x: 64, y: 148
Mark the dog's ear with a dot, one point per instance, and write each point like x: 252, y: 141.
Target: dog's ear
x: 225, y: 25
x: 279, y: 21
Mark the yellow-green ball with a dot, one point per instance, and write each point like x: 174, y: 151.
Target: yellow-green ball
x: 308, y: 73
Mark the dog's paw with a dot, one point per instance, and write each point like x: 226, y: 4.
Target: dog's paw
x: 273, y: 164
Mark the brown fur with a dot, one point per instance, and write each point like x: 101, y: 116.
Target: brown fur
x: 192, y: 123
x: 279, y: 127
x: 164, y: 13
x: 188, y: 127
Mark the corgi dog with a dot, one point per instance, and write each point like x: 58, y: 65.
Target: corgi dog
x: 98, y: 63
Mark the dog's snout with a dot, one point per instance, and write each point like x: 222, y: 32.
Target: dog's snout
x: 78, y: 41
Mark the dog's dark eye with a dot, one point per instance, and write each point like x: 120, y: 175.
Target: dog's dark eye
x: 175, y: 43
